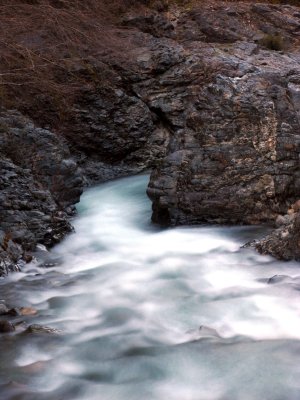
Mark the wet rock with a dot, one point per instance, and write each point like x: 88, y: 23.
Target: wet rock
x: 14, y: 312
x: 6, y: 327
x: 28, y: 311
x: 284, y: 242
x: 3, y: 309
x: 204, y: 332
x: 27, y: 258
x: 34, y: 368
x: 15, y: 385
x: 51, y: 261
x: 20, y: 325
x: 40, y: 329
x: 10, y: 254
x: 278, y: 278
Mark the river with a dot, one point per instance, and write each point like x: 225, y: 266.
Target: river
x: 153, y: 314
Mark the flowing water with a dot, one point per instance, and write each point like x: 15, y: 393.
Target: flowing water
x: 151, y: 314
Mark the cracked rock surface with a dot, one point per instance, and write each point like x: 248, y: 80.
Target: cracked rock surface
x: 232, y: 108
x: 39, y: 185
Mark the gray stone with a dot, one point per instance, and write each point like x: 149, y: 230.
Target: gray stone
x: 6, y: 327
x: 40, y: 329
x: 38, y: 179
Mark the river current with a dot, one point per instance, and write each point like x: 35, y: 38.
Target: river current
x: 150, y: 314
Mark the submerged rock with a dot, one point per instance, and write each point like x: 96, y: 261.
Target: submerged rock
x: 14, y: 312
x: 40, y: 329
x: 6, y: 327
x: 204, y: 332
x: 28, y: 311
x: 3, y: 309
x: 278, y: 278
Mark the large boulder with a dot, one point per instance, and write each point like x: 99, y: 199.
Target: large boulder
x: 232, y: 107
x: 235, y: 157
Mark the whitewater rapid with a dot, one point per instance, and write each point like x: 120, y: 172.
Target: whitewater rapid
x: 146, y: 313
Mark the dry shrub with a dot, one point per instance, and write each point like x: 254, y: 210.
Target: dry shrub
x: 288, y: 2
x: 47, y: 48
x: 273, y: 42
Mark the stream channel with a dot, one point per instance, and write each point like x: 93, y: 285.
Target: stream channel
x: 153, y: 314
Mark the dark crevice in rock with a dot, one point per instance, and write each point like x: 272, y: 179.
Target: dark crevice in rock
x: 163, y: 119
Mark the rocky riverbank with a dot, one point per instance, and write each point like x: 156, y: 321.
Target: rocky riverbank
x: 205, y: 95
x: 40, y: 183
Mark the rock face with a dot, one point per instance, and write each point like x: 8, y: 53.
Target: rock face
x: 236, y: 156
x: 233, y: 109
x: 40, y: 183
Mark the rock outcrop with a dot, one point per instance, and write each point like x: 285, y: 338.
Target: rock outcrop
x: 39, y: 182
x: 114, y: 134
x: 284, y: 242
x: 236, y: 156
x: 233, y: 109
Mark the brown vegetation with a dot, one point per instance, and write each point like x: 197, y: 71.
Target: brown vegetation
x: 51, y: 49
x: 46, y: 49
x: 273, y: 42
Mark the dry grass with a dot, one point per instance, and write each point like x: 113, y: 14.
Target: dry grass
x: 273, y: 42
x: 289, y: 2
x: 47, y: 48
